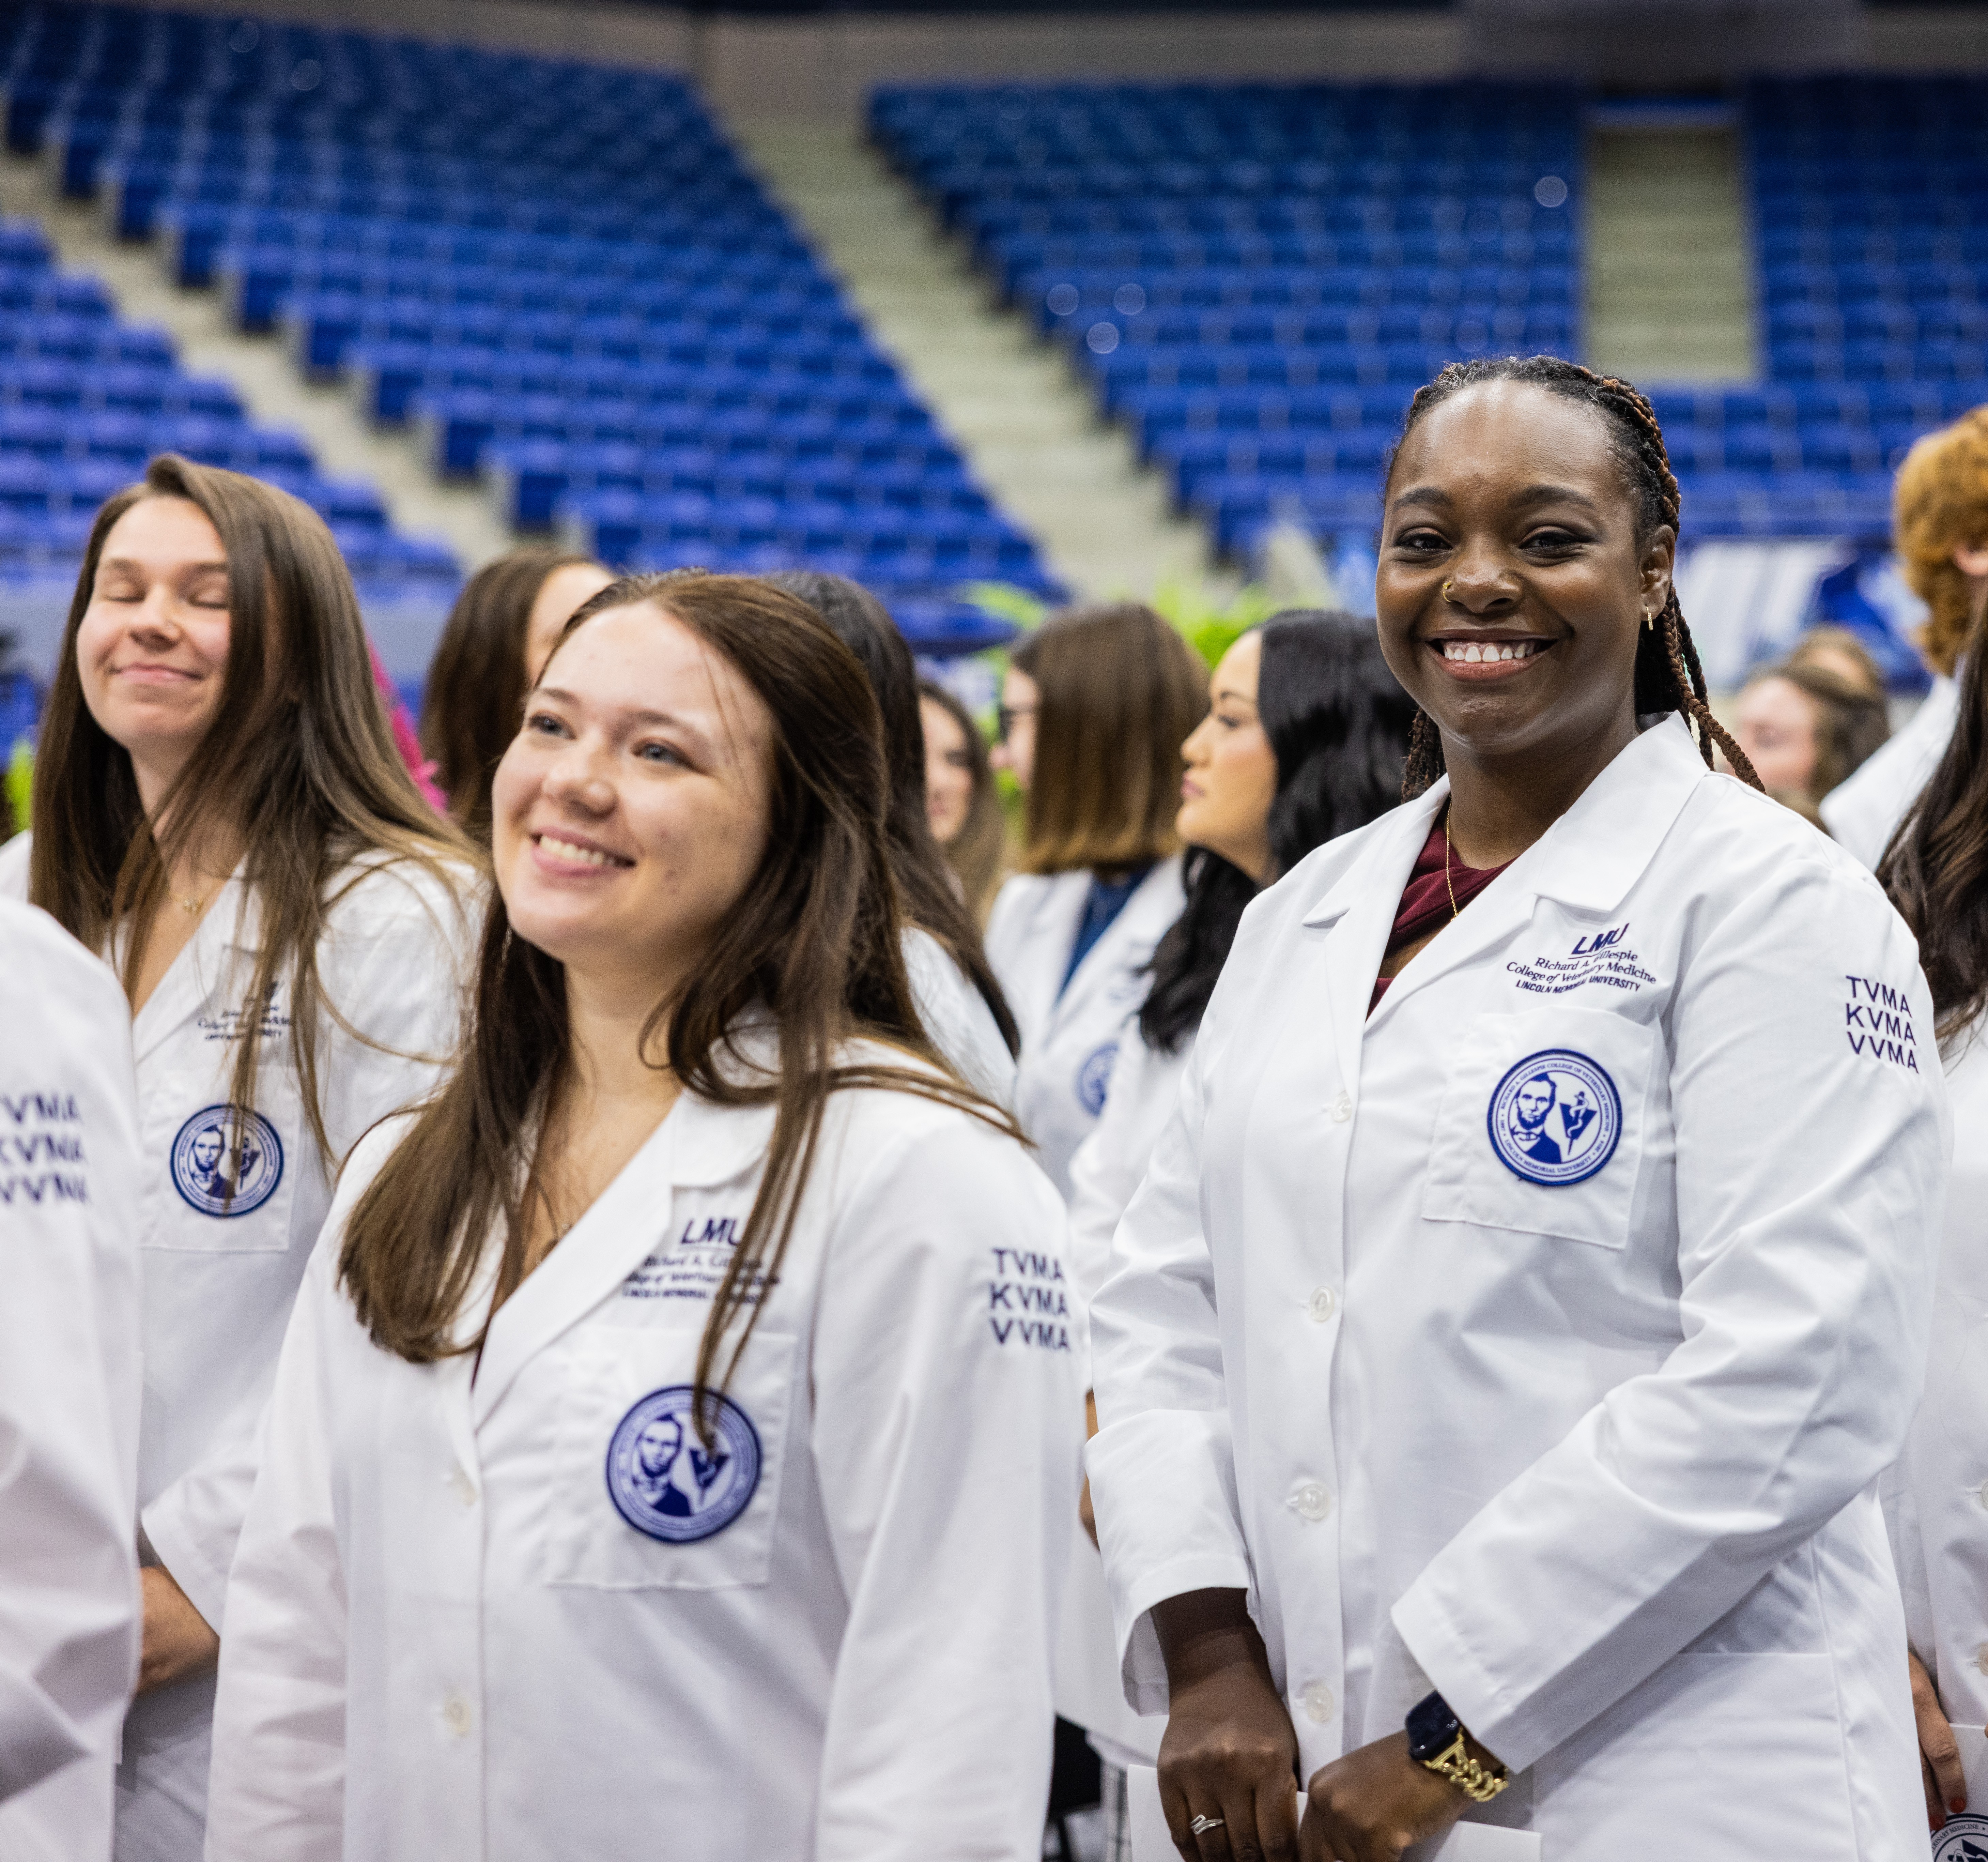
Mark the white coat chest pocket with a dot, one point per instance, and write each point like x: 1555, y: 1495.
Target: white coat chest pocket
x: 1544, y: 1126
x: 646, y: 1502
x: 223, y: 1180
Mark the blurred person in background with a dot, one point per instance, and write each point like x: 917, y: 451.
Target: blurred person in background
x: 1839, y: 650
x: 497, y: 636
x: 961, y: 801
x: 1094, y: 709
x: 220, y: 811
x: 1936, y: 871
x: 1939, y: 527
x: 959, y: 1001
x: 1806, y: 728
x: 1305, y: 738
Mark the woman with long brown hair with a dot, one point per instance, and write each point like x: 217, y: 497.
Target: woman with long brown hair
x: 676, y: 1447
x: 1094, y: 710
x: 220, y: 811
x: 498, y: 634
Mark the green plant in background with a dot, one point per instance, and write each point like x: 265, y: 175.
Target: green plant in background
x: 1211, y: 623
x: 20, y: 773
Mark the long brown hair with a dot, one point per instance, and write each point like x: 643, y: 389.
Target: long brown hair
x: 299, y: 742
x: 925, y: 887
x: 477, y: 684
x: 1936, y: 867
x: 1668, y: 676
x: 814, y: 942
x: 1120, y: 691
x: 974, y: 854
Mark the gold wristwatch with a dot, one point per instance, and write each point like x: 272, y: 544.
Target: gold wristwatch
x: 1436, y: 1739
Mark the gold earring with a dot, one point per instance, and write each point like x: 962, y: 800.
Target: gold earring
x: 1649, y: 620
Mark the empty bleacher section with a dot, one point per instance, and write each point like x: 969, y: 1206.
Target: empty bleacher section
x: 1258, y: 277
x: 85, y: 399
x: 560, y: 275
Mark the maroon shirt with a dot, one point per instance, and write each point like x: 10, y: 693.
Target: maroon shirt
x: 1426, y: 905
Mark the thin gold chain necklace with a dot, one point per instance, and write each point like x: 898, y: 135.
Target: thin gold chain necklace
x: 1455, y: 910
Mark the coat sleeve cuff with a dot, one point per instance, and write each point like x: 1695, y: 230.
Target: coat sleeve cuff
x: 173, y: 1538
x: 1442, y: 1651
x: 1142, y: 1670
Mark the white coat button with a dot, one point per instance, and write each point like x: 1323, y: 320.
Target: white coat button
x: 1313, y: 1501
x: 1324, y: 1303
x: 462, y: 1487
x: 1342, y: 1108
x: 1981, y: 1496
x: 1319, y: 1702
x: 1981, y: 1658
x: 455, y: 1712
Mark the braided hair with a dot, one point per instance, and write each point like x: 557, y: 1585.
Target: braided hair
x: 1668, y: 676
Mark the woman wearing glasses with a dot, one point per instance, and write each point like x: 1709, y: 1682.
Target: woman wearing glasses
x: 1093, y: 712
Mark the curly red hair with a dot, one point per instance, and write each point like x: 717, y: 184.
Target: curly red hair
x: 1939, y: 504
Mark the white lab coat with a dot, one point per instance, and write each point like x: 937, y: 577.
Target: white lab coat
x: 215, y: 1288
x: 1069, y: 1039
x: 449, y: 1641
x: 69, y: 1177
x: 1108, y: 1167
x: 1864, y: 810
x: 957, y: 1017
x: 1937, y: 1497
x: 1590, y: 1445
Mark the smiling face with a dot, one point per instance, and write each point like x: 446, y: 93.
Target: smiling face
x: 629, y: 813
x: 1775, y: 726
x: 1513, y: 583
x: 1232, y: 771
x: 948, y: 772
x: 152, y: 648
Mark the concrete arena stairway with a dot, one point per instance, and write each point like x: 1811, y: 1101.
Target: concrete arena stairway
x: 260, y: 368
x: 1027, y: 427
x: 1670, y: 276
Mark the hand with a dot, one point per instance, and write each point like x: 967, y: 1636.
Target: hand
x: 1940, y: 1768
x: 178, y: 1644
x: 1373, y: 1803
x: 1228, y: 1751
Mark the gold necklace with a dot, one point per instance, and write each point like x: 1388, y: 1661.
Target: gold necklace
x: 191, y: 905
x: 1455, y: 910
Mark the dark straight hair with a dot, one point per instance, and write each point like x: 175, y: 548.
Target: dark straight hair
x: 1338, y: 721
x: 815, y: 943
x: 925, y: 887
x: 476, y: 683
x: 300, y: 748
x: 1936, y: 867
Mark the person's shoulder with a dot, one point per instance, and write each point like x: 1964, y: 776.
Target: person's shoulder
x: 43, y: 970
x: 382, y: 891
x: 1729, y: 835
x: 906, y: 1115
x: 15, y: 858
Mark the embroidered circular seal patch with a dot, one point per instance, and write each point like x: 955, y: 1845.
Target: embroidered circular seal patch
x: 665, y: 1482
x: 1555, y: 1118
x: 1093, y: 1078
x: 227, y: 1161
x: 1964, y: 1839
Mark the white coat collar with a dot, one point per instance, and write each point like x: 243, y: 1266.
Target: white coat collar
x: 699, y: 1144
x: 1142, y: 923
x: 1587, y: 860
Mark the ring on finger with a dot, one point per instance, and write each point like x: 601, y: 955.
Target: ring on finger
x: 1200, y: 1825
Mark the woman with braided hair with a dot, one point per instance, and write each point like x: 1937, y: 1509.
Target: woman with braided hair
x: 1499, y: 1357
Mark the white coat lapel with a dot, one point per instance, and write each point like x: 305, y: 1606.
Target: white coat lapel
x: 1155, y: 903
x: 219, y: 956
x: 1358, y: 913
x: 1052, y: 931
x: 1588, y: 859
x: 699, y: 1144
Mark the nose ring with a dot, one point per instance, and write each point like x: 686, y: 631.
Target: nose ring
x: 1446, y: 587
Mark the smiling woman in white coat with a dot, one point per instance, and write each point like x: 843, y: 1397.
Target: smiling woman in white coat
x: 219, y: 809
x: 70, y: 1176
x: 1499, y: 1359
x: 1936, y: 873
x: 676, y: 1442
x: 1093, y: 712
